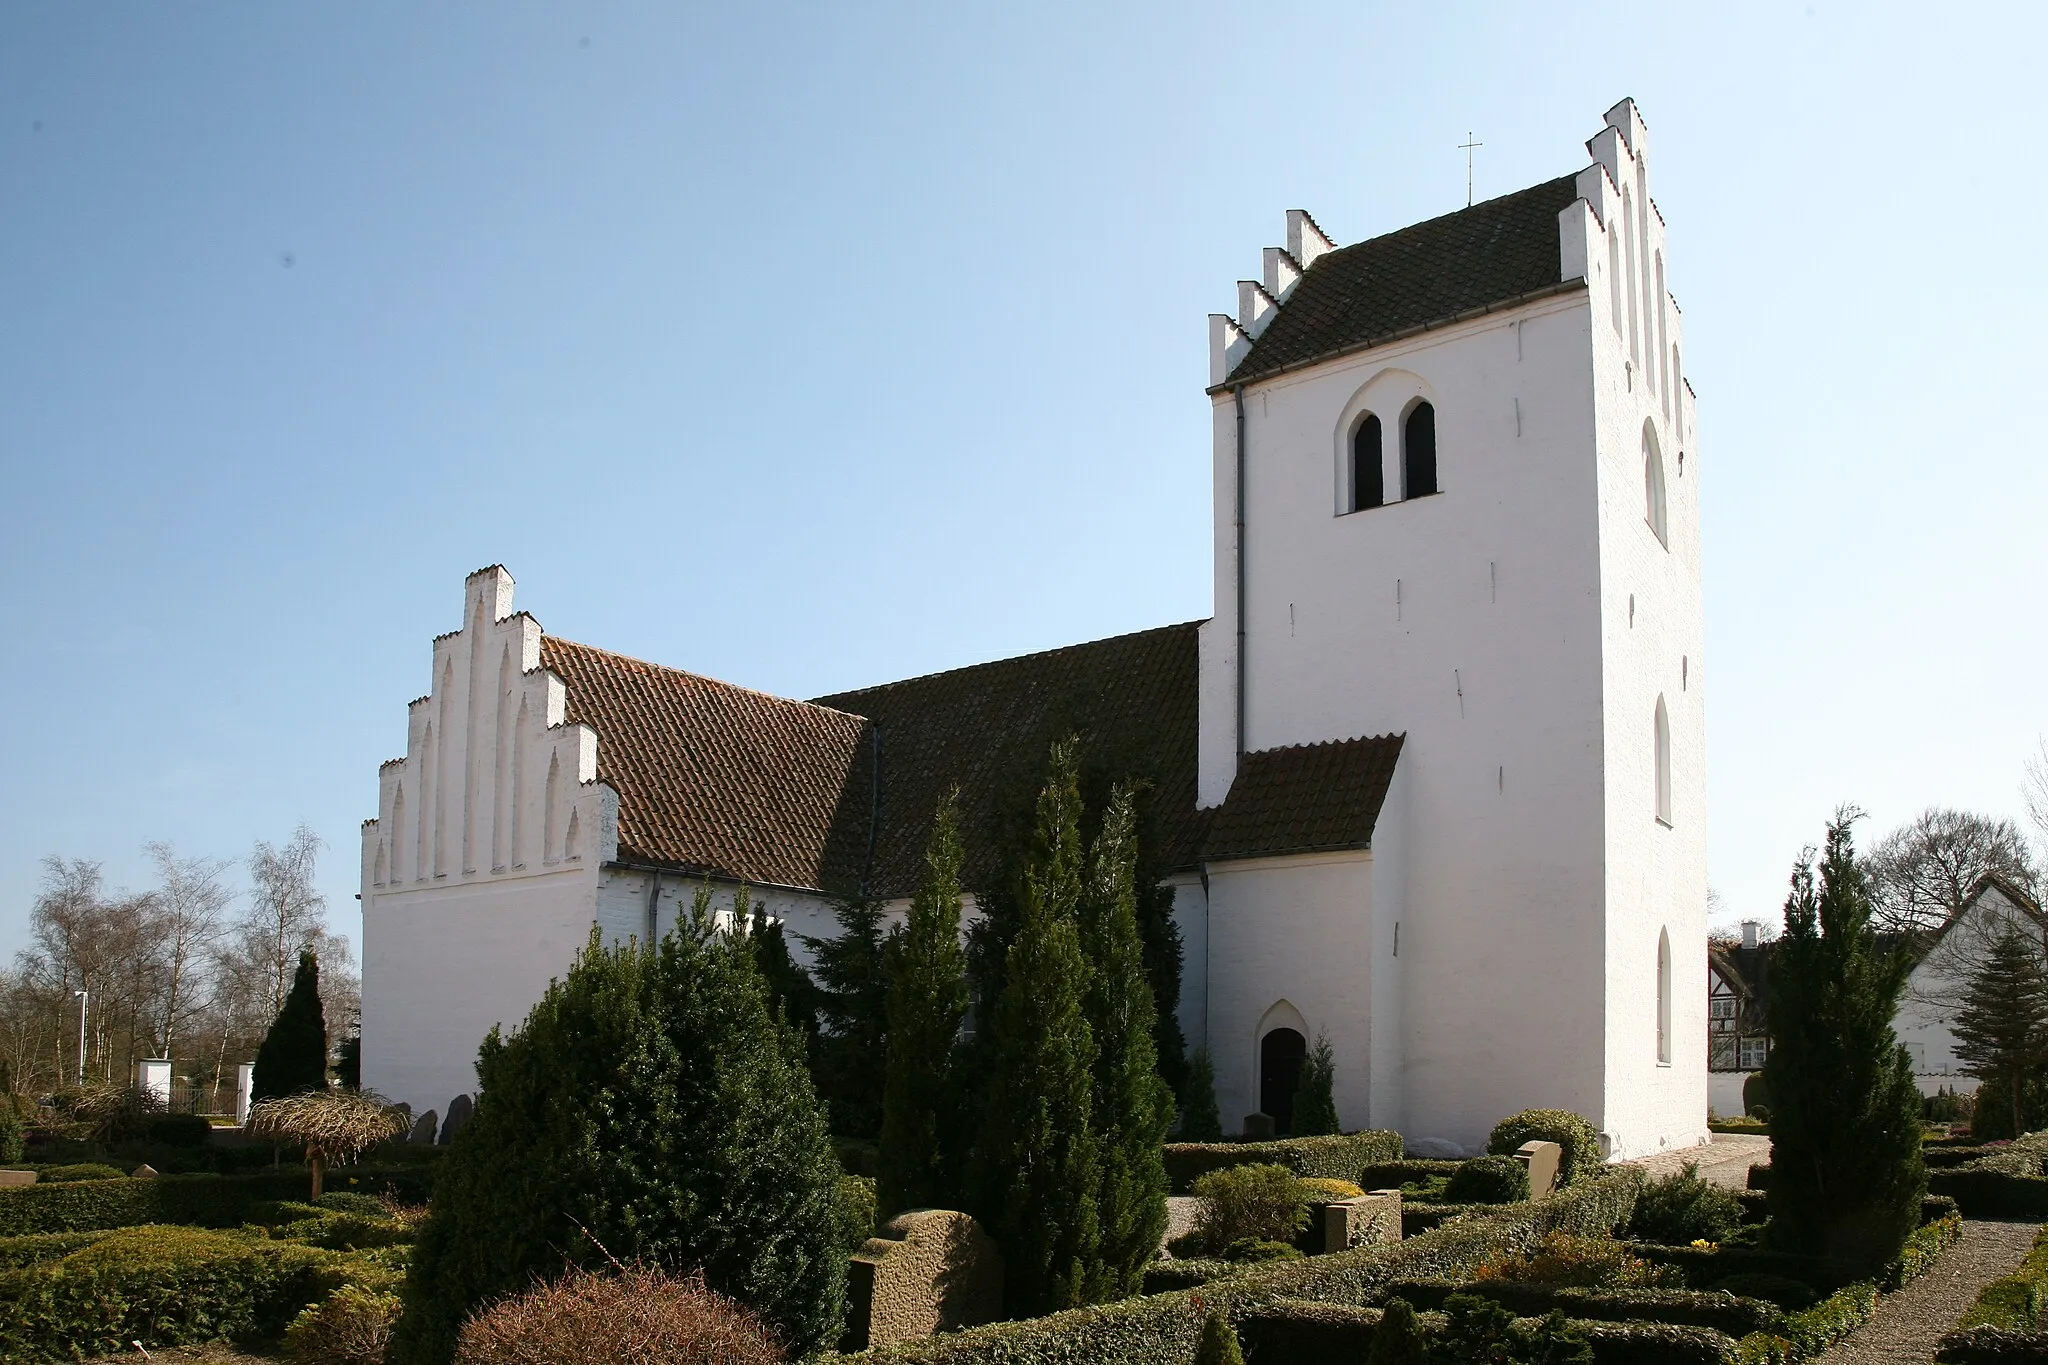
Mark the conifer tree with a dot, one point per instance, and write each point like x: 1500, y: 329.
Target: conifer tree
x: 1199, y: 1121
x: 791, y: 994
x: 1036, y: 1156
x: 1131, y: 1107
x: 650, y: 1109
x: 921, y: 1118
x: 2002, y: 1028
x: 1846, y: 1172
x: 293, y: 1056
x: 1219, y: 1344
x: 1398, y: 1340
x: 852, y: 974
x: 1315, y: 1092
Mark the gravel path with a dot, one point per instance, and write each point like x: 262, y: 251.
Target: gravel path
x: 1724, y: 1161
x: 1908, y: 1324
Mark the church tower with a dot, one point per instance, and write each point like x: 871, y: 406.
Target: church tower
x: 1456, y: 501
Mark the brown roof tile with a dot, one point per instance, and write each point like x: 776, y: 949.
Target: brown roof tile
x: 1304, y: 798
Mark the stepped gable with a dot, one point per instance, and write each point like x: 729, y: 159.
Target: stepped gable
x: 1479, y: 257
x: 987, y: 728
x: 1304, y: 798
x: 718, y: 779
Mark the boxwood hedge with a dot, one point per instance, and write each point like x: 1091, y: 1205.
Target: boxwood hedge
x: 1737, y: 1317
x: 1992, y: 1346
x: 210, y: 1201
x: 1301, y: 1332
x: 1338, y: 1157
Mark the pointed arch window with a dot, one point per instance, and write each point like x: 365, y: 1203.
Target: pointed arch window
x: 1653, y: 488
x: 1418, y: 452
x: 1368, y: 480
x: 1664, y: 997
x: 1662, y: 742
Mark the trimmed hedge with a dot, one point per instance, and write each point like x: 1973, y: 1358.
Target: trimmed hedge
x: 1573, y: 1132
x: 1386, y: 1175
x: 16, y: 1252
x: 1810, y: 1332
x: 1992, y: 1346
x: 1306, y: 1332
x: 1417, y: 1219
x: 211, y: 1201
x: 165, y: 1286
x: 2015, y: 1303
x: 1737, y: 1317
x: 1982, y: 1193
x: 1164, y: 1329
x: 1163, y: 1277
x: 1339, y: 1157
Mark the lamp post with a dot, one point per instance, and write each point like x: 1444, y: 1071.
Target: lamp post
x: 81, y: 995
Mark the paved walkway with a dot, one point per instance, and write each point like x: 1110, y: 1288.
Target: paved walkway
x: 1908, y: 1325
x: 1724, y: 1161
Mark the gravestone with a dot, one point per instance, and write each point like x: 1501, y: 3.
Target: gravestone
x: 1368, y: 1220
x: 423, y: 1129
x: 459, y: 1110
x: 928, y: 1270
x: 8, y: 1178
x: 1258, y: 1127
x: 143, y: 1172
x: 1541, y: 1160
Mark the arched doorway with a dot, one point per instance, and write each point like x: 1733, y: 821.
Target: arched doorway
x: 1280, y: 1055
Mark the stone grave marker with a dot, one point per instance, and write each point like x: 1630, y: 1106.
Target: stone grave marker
x: 1541, y: 1160
x: 928, y: 1270
x: 1258, y: 1127
x: 423, y: 1128
x: 459, y: 1110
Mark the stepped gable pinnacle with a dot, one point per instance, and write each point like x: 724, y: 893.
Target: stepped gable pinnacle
x: 1479, y: 257
x: 714, y: 778
x: 1304, y: 798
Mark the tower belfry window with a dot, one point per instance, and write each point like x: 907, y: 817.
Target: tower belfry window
x: 1368, y: 482
x: 1653, y: 487
x: 1418, y: 452
x: 1661, y: 741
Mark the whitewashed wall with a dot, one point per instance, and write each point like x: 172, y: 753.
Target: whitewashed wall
x: 1935, y: 990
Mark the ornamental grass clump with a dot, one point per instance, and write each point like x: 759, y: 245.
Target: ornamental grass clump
x: 352, y: 1326
x: 332, y: 1125
x: 1255, y: 1203
x: 632, y: 1316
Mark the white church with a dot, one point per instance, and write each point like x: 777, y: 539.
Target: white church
x: 1430, y: 780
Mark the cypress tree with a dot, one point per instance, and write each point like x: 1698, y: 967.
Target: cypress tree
x: 1846, y: 1172
x: 293, y: 1055
x: 852, y: 972
x: 2002, y: 1028
x: 791, y: 995
x: 1130, y: 1107
x: 1315, y: 1097
x: 1036, y: 1155
x: 920, y: 1158
x: 1219, y: 1345
x: 650, y: 1108
x: 1199, y: 1121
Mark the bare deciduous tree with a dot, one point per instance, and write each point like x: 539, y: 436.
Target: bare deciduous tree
x: 1921, y: 872
x: 190, y: 904
x: 285, y: 911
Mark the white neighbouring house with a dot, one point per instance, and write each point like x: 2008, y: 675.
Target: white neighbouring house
x: 1429, y: 782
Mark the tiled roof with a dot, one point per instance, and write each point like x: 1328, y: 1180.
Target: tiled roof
x: 721, y: 780
x: 1304, y: 798
x: 1475, y: 258
x: 716, y: 778
x: 986, y: 729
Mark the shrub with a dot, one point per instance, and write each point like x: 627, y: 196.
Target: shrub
x: 13, y: 1130
x: 214, y: 1201
x: 1992, y: 1346
x: 1682, y: 1208
x: 84, y: 1170
x: 1756, y: 1096
x: 856, y: 1210
x: 1589, y: 1262
x: 162, y: 1285
x: 638, y: 1316
x: 1398, y: 1339
x: 1488, y: 1180
x: 345, y: 1201
x: 1320, y: 1187
x: 1199, y: 1121
x: 16, y: 1252
x: 1254, y: 1250
x: 651, y: 1106
x: 1684, y: 1307
x: 1315, y: 1099
x: 1782, y: 1290
x: 1581, y: 1143
x: 1219, y: 1342
x: 1477, y: 1330
x: 292, y: 1058
x: 1343, y: 1157
x: 352, y: 1326
x: 178, y: 1130
x: 1262, y: 1203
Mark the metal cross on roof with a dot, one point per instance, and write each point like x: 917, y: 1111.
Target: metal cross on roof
x: 1466, y: 147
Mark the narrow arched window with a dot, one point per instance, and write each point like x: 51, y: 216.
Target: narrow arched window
x: 1653, y: 487
x: 1664, y: 996
x: 1418, y: 452
x: 1368, y: 482
x: 1662, y: 741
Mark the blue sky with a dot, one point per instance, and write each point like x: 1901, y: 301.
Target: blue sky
x: 813, y: 347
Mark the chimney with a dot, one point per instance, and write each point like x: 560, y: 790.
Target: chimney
x: 1749, y: 932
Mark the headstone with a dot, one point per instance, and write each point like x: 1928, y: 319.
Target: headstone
x: 1367, y: 1220
x: 459, y: 1110
x: 928, y: 1270
x: 143, y: 1172
x: 245, y: 1084
x: 423, y: 1128
x: 1541, y: 1160
x: 8, y: 1178
x: 1258, y: 1127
